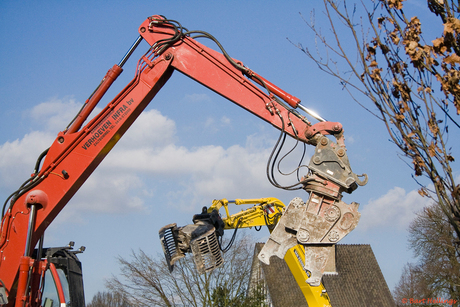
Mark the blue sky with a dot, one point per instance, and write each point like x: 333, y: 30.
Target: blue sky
x: 190, y: 146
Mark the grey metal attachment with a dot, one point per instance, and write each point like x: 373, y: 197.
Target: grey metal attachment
x: 200, y: 239
x: 317, y: 225
x: 206, y: 252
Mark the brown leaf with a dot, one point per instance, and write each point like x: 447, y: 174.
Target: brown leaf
x: 438, y: 42
x: 452, y: 59
x: 373, y: 64
x: 380, y: 20
x: 394, y: 36
x: 439, y: 46
x: 375, y: 75
x: 399, y: 117
x: 430, y: 61
x: 371, y: 50
x: 422, y: 192
x: 456, y: 23
x: 419, y: 165
x: 432, y: 150
x: 433, y: 124
x: 410, y: 48
x: 448, y: 28
x: 405, y: 106
x: 415, y: 22
x: 452, y: 25
x: 396, y: 4
x: 450, y: 158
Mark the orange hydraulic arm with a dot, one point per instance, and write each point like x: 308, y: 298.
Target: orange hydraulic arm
x: 78, y: 150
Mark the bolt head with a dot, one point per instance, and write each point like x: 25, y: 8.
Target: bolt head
x: 341, y: 152
x: 303, y: 236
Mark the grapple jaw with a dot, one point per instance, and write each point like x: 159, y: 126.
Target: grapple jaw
x: 169, y: 242
x: 200, y: 238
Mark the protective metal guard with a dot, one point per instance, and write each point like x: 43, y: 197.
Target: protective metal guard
x: 170, y: 245
x: 320, y: 223
x: 206, y: 252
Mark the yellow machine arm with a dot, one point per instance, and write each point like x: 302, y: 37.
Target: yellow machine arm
x: 265, y: 212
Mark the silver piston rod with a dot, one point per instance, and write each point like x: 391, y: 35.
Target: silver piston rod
x: 30, y: 230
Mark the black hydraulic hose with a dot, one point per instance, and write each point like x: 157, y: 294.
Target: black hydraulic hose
x: 14, y: 193
x: 272, y: 162
x: 27, y: 185
x: 232, y: 240
x: 271, y: 178
x: 288, y: 153
x: 278, y: 151
x: 31, y: 183
x: 209, y: 36
x: 39, y: 160
x: 165, y: 43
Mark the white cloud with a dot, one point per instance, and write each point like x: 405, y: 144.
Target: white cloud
x: 395, y: 209
x: 150, y: 130
x: 199, y: 173
x: 144, y: 157
x: 214, y: 125
x: 56, y: 113
x: 17, y: 158
x: 197, y: 97
x: 209, y: 122
x: 225, y: 120
x: 108, y: 195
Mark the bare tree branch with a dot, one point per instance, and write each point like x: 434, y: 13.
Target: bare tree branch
x: 393, y: 71
x: 146, y: 281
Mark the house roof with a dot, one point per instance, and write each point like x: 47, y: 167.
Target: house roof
x: 358, y: 282
x: 283, y: 289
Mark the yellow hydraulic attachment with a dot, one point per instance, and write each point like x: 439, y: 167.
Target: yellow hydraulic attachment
x: 266, y: 212
x: 202, y: 240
